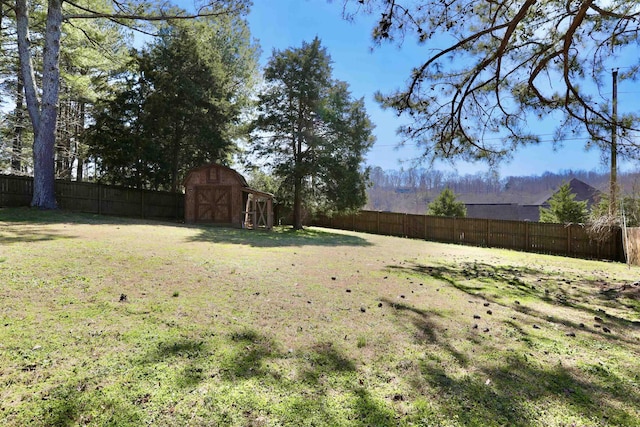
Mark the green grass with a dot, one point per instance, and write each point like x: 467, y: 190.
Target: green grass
x: 110, y: 321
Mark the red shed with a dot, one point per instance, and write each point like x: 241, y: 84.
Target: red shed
x: 220, y: 195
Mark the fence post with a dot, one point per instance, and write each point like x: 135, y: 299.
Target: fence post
x: 176, y: 206
x: 569, y: 239
x: 404, y: 225
x: 453, y: 228
x: 527, y: 245
x: 353, y: 221
x: 142, y: 203
x: 378, y: 223
x: 488, y: 237
x: 99, y: 199
x: 425, y: 226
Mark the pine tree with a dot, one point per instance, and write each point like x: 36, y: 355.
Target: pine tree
x: 564, y: 209
x: 312, y: 133
x: 180, y: 106
x: 42, y: 93
x: 492, y: 69
x: 447, y: 205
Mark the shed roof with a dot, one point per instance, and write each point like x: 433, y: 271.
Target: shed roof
x: 241, y: 179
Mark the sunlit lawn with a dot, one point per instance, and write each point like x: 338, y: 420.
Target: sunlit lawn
x: 110, y: 321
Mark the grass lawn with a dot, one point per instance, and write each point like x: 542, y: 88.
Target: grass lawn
x: 110, y: 321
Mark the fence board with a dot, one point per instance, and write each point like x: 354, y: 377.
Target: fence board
x: 441, y: 229
x: 416, y: 226
x: 368, y: 221
x: 97, y: 198
x: 557, y: 239
x: 632, y: 242
x: 391, y: 224
x: 15, y: 191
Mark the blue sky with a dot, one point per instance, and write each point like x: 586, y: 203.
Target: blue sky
x: 280, y: 24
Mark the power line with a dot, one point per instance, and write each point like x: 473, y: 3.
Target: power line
x: 415, y: 145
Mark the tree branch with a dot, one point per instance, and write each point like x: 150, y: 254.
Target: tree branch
x: 162, y: 16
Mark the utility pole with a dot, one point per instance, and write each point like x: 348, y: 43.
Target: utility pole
x: 613, y: 203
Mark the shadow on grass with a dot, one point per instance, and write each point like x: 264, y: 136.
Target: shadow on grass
x: 497, y: 395
x: 31, y: 235
x: 626, y: 295
x: 59, y: 216
x: 248, y: 363
x: 28, y: 223
x: 188, y: 356
x: 327, y: 371
x: 246, y: 357
x: 323, y: 359
x: 62, y: 407
x: 278, y: 237
x: 71, y: 404
x: 514, y: 283
x: 495, y: 392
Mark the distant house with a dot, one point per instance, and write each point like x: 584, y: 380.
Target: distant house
x: 583, y: 192
x: 531, y: 212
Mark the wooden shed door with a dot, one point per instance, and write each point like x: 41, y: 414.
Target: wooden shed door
x: 213, y: 204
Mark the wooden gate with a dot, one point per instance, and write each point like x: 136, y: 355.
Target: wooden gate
x: 213, y: 204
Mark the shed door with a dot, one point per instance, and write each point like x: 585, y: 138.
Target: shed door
x: 213, y: 204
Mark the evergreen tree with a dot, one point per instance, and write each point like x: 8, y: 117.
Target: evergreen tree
x: 92, y: 53
x: 42, y: 91
x: 312, y: 133
x: 117, y: 138
x: 180, y: 107
x: 447, y: 205
x: 564, y: 209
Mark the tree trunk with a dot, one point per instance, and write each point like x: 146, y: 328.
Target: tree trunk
x: 44, y: 144
x: 18, y: 129
x: 298, y: 176
x: 80, y: 169
x: 175, y: 164
x: 61, y: 139
x: 26, y: 64
x: 79, y: 152
x: 297, y: 203
x: 43, y: 114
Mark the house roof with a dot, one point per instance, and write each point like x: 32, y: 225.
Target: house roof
x: 530, y: 211
x: 582, y: 190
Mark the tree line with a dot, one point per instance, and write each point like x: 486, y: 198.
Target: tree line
x: 85, y: 100
x: 412, y: 190
x: 89, y: 101
x: 561, y: 208
x: 421, y: 180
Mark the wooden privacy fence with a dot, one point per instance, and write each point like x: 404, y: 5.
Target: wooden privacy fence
x: 632, y: 245
x: 558, y: 239
x: 97, y: 198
